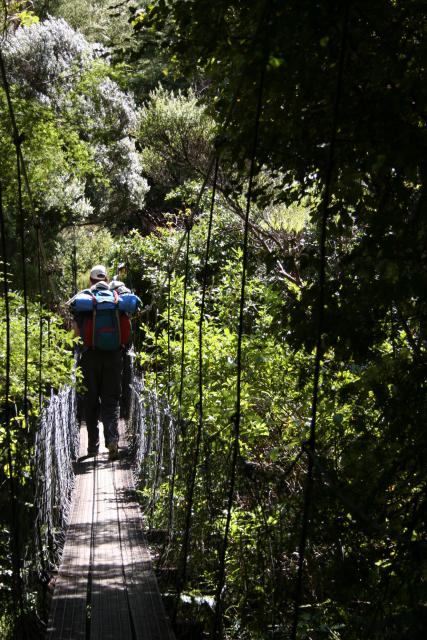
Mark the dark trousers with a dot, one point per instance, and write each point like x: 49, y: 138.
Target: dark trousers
x: 102, y: 375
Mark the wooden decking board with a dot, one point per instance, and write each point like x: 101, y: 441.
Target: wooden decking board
x: 68, y: 611
x: 143, y: 591
x: 124, y: 600
x: 110, y: 612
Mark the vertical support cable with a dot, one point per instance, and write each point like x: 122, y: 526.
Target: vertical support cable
x: 24, y: 276
x: 173, y: 469
x: 182, y: 367
x: 74, y: 263
x: 40, y: 398
x: 237, y: 416
x: 311, y: 445
x: 184, y: 549
x: 184, y: 311
x: 40, y: 287
x: 207, y: 446
x: 195, y: 461
x: 156, y: 346
x: 17, y: 601
x: 169, y: 338
x: 203, y: 300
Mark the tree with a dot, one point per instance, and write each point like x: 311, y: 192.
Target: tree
x: 175, y: 136
x: 101, y: 21
x: 342, y: 123
x: 67, y: 75
x: 78, y: 131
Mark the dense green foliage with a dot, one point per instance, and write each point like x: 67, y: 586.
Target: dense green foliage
x: 49, y: 350
x: 344, y: 80
x: 77, y: 128
x: 57, y: 358
x: 115, y: 137
x: 176, y: 137
x: 364, y: 555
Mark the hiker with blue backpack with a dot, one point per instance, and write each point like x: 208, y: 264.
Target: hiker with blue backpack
x: 102, y: 321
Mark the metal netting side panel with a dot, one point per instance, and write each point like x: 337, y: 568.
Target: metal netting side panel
x: 136, y: 422
x: 43, y: 483
x: 65, y: 450
x: 56, y: 443
x: 151, y: 429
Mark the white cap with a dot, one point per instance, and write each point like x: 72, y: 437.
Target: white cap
x: 98, y: 272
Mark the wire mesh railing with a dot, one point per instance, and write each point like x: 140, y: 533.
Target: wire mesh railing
x: 56, y: 447
x: 152, y: 434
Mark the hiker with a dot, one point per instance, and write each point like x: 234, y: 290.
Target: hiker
x: 102, y: 321
x: 119, y: 286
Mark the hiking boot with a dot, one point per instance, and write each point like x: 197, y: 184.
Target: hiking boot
x: 113, y: 451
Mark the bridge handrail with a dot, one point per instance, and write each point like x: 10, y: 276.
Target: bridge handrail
x: 56, y: 447
x: 151, y: 431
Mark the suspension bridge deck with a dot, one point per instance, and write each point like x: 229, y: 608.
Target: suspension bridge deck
x: 106, y: 587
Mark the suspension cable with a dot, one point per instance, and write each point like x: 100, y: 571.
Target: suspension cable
x: 184, y: 311
x: 169, y: 337
x: 311, y: 445
x: 24, y: 277
x: 21, y: 170
x: 17, y: 600
x: 184, y: 549
x: 237, y: 416
x: 22, y: 173
x: 18, y: 138
x: 221, y: 135
x: 195, y: 461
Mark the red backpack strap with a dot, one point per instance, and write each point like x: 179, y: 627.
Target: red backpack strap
x: 116, y: 301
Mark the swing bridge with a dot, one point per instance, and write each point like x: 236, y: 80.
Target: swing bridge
x: 89, y: 528
x: 86, y: 506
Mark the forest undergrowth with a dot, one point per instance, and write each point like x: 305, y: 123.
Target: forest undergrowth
x: 200, y: 143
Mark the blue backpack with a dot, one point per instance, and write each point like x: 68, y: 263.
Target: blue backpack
x: 103, y: 317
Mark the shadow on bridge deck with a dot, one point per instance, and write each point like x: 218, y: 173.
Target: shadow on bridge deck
x: 105, y: 586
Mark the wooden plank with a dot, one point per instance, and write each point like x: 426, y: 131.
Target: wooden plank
x: 106, y: 588
x: 145, y: 601
x: 68, y: 611
x: 110, y: 613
